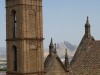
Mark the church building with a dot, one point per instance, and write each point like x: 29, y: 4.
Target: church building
x: 53, y: 64
x: 25, y: 52
x: 86, y: 60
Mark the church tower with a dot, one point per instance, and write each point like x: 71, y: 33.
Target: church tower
x: 24, y: 36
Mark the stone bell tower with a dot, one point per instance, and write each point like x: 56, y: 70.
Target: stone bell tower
x: 24, y: 36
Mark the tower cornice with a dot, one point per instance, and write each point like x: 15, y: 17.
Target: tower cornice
x: 18, y: 39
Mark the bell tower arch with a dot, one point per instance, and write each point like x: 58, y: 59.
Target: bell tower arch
x: 24, y: 37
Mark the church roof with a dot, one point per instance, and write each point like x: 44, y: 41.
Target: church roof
x: 50, y: 60
x: 86, y: 60
x: 88, y: 63
x: 82, y: 47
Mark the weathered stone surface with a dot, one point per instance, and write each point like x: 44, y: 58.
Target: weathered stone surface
x: 88, y: 63
x: 54, y: 66
x: 24, y: 32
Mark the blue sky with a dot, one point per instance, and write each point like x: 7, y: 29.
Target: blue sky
x: 63, y: 20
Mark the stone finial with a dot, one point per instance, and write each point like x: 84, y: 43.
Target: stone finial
x: 51, y: 47
x: 87, y: 22
x: 87, y: 28
x: 51, y: 42
x: 55, y: 49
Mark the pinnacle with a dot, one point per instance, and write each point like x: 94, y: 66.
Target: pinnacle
x: 87, y: 22
x: 51, y: 43
x: 66, y: 53
x: 55, y: 49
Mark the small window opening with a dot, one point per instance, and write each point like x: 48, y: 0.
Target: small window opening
x: 14, y: 25
x: 15, y: 58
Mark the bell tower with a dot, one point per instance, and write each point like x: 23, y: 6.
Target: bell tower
x: 24, y: 37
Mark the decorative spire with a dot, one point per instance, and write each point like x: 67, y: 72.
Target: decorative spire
x: 55, y: 49
x: 87, y: 22
x: 51, y: 43
x: 87, y: 28
x: 66, y: 60
x: 51, y: 47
